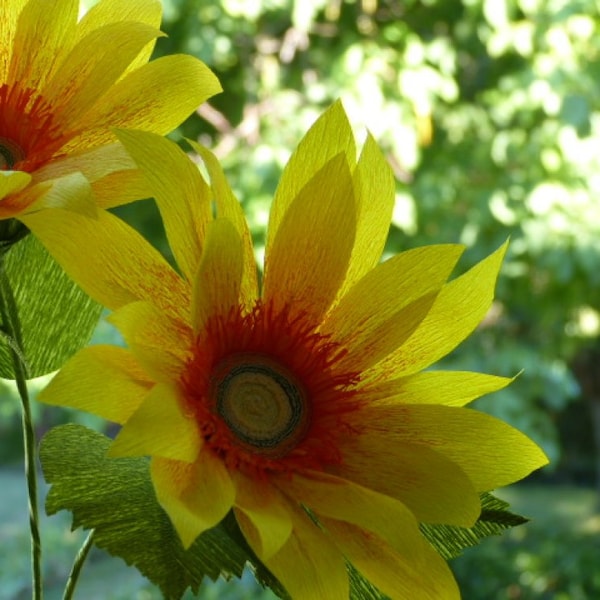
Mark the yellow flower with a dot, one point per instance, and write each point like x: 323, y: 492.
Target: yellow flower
x: 64, y: 84
x: 304, y: 406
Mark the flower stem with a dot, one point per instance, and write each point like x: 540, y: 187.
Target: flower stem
x: 77, y: 565
x: 12, y: 335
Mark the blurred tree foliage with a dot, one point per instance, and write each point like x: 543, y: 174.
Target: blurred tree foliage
x: 488, y: 112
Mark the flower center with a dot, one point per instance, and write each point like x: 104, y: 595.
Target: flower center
x: 10, y: 154
x: 261, y: 403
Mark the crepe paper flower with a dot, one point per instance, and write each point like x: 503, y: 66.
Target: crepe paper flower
x: 64, y: 84
x: 302, y: 404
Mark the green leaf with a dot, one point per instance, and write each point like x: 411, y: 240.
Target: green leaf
x: 115, y: 497
x: 56, y: 318
x: 450, y: 541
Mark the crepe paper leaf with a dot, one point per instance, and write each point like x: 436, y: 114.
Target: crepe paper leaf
x: 115, y: 497
x: 495, y: 518
x: 55, y: 317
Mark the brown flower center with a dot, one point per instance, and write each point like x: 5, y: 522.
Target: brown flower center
x: 261, y: 403
x: 10, y: 154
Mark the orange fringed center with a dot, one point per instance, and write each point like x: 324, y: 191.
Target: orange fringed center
x: 266, y: 393
x: 29, y: 136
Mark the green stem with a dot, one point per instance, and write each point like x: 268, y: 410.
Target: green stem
x: 12, y: 333
x: 77, y: 565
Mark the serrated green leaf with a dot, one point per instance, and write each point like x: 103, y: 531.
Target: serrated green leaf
x: 56, y: 318
x: 495, y: 518
x: 115, y: 497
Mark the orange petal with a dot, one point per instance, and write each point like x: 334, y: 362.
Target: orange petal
x: 490, y: 452
x: 418, y: 574
x: 104, y: 380
x: 159, y: 427
x: 308, y: 565
x: 434, y: 488
x: 160, y: 344
x: 182, y: 195
x: 196, y: 496
x: 112, y: 262
x: 217, y: 286
x: 308, y: 259
x: 262, y: 515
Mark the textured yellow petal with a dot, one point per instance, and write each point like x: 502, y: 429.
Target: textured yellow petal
x: 196, y: 496
x: 329, y: 136
x: 181, y: 194
x: 216, y: 289
x: 330, y: 496
x: 45, y: 34
x: 489, y: 451
x: 160, y: 344
x: 156, y: 97
x: 384, y: 308
x: 109, y: 11
x: 159, y: 427
x: 459, y: 308
x: 71, y: 192
x: 262, y: 515
x: 374, y: 189
x: 419, y: 574
x: 12, y: 182
x: 308, y: 259
x: 104, y: 380
x: 229, y: 208
x: 120, y: 187
x: 434, y: 488
x: 11, y: 9
x: 95, y: 63
x: 110, y: 261
x: 308, y: 565
x: 452, y: 388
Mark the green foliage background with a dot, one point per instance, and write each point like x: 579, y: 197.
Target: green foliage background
x: 489, y: 113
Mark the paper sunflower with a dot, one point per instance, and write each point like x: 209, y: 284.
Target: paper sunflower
x: 301, y: 404
x: 64, y: 84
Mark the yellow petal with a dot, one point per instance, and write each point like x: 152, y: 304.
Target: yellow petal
x: 374, y: 189
x: 159, y: 427
x: 434, y: 488
x: 181, y: 194
x: 196, y: 496
x: 262, y: 515
x: 95, y: 63
x: 104, y: 380
x: 156, y: 97
x: 45, y: 33
x: 489, y: 451
x: 71, y: 192
x: 452, y: 388
x: 109, y: 11
x: 308, y: 565
x: 218, y: 282
x: 8, y: 26
x: 110, y: 261
x: 161, y: 344
x: 330, y: 496
x: 12, y: 182
x: 229, y: 208
x: 329, y: 136
x: 386, y: 306
x: 419, y: 574
x: 308, y: 259
x: 459, y: 308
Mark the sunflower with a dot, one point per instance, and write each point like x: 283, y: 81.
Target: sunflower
x: 301, y: 403
x: 64, y: 83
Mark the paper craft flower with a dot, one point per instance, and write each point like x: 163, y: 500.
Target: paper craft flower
x: 301, y: 403
x: 64, y: 84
